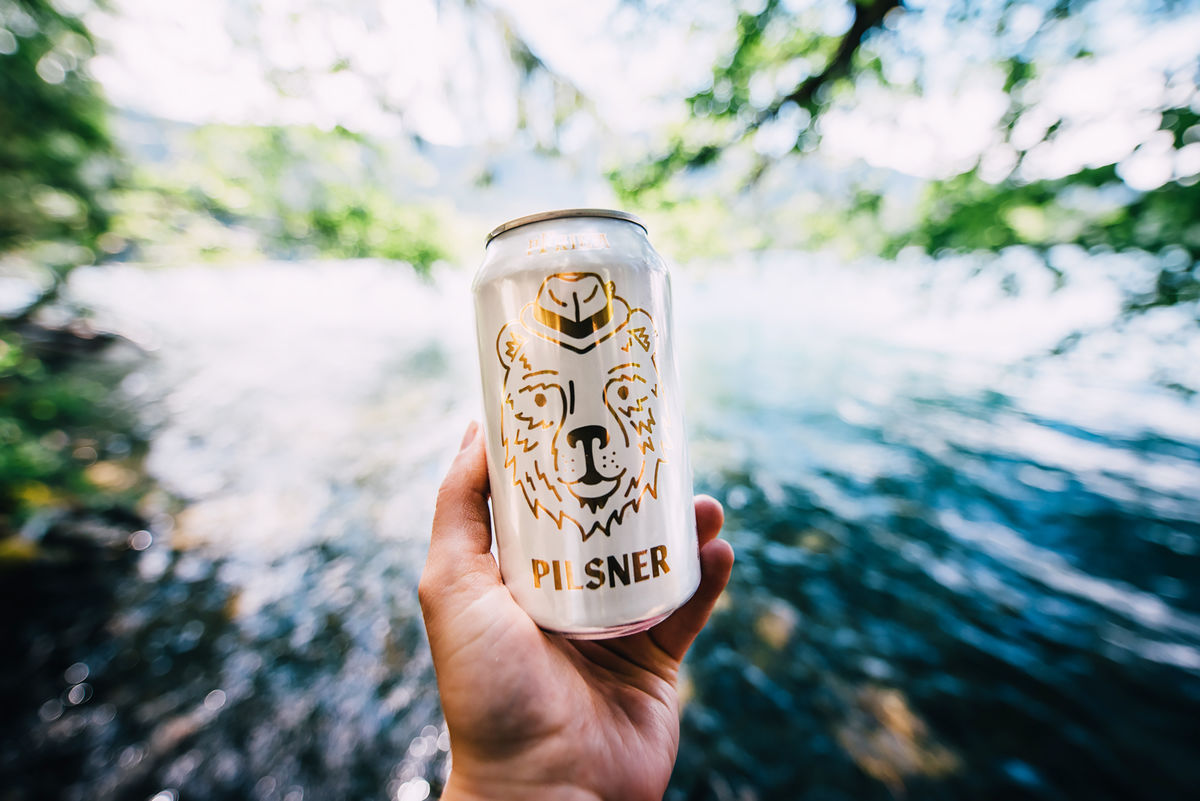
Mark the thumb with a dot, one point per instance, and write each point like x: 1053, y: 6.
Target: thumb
x: 462, y: 533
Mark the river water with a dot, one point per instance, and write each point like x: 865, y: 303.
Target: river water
x: 968, y: 539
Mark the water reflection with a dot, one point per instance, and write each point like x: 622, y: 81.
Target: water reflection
x: 960, y: 575
x: 964, y: 571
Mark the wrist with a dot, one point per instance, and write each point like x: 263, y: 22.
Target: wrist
x: 464, y: 788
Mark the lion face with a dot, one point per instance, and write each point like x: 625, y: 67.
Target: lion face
x: 578, y: 423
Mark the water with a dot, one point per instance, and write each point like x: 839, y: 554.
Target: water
x: 965, y: 569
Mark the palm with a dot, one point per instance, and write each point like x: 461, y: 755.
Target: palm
x: 558, y: 703
x: 530, y: 710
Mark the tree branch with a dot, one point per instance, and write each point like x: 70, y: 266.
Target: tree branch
x: 867, y: 17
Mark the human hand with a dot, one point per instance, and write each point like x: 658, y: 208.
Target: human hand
x: 535, y: 715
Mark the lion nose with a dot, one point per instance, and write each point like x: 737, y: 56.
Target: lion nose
x: 587, y: 435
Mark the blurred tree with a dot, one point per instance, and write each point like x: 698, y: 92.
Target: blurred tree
x: 791, y: 63
x: 64, y: 447
x: 479, y: 59
x: 284, y: 191
x: 327, y: 187
x: 57, y: 159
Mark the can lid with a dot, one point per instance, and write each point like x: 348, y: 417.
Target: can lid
x: 554, y: 215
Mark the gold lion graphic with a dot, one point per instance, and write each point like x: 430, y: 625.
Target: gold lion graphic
x: 578, y: 419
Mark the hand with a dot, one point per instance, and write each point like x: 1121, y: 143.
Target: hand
x: 535, y: 715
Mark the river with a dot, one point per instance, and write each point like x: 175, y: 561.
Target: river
x: 968, y: 537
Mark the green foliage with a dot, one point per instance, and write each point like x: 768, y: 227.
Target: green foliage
x: 774, y: 45
x: 65, y: 446
x: 238, y: 191
x: 1093, y: 208
x: 783, y: 66
x: 56, y: 156
x: 57, y: 160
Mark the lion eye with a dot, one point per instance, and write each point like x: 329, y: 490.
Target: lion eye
x: 622, y: 392
x: 539, y: 399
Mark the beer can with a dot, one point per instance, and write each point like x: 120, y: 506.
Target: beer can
x: 590, y: 481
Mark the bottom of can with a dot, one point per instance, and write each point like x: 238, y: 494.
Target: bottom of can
x: 607, y: 632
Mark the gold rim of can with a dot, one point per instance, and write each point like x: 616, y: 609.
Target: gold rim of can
x: 562, y: 213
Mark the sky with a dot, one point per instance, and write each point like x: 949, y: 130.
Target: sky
x: 178, y: 60
x: 425, y: 67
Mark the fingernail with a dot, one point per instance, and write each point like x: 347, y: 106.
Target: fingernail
x: 469, y: 436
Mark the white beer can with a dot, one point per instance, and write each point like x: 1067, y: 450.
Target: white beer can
x: 590, y: 481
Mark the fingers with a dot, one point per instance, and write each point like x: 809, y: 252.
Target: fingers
x: 675, y: 634
x: 709, y: 518
x: 462, y: 531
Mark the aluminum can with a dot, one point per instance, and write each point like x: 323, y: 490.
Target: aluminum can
x: 590, y: 480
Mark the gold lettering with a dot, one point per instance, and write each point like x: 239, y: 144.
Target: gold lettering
x: 618, y: 570
x: 571, y: 585
x: 658, y: 559
x: 646, y: 564
x: 595, y: 569
x: 540, y: 571
x: 552, y: 242
x: 639, y: 566
x: 536, y: 245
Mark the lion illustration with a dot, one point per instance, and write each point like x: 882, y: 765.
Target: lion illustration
x: 578, y: 422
